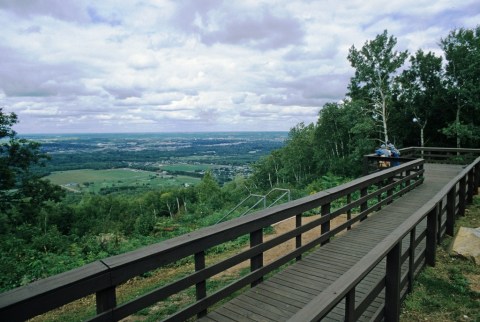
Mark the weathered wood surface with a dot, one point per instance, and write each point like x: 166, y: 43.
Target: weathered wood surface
x: 285, y: 293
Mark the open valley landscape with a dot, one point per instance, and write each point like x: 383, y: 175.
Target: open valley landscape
x: 102, y: 163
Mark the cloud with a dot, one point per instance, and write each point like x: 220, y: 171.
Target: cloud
x: 264, y: 31
x: 189, y: 65
x: 60, y: 9
x: 258, y: 27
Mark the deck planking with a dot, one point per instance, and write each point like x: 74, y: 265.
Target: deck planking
x: 286, y: 292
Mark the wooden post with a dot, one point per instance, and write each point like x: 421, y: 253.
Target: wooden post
x: 408, y: 182
x: 379, y: 197
x: 392, y: 284
x: 365, y: 165
x: 326, y: 225
x: 477, y: 179
x: 364, y: 205
x: 431, y: 237
x: 350, y: 306
x: 471, y: 185
x: 390, y: 191
x: 298, y: 239
x: 462, y: 197
x: 349, y: 211
x: 201, y: 287
x: 106, y: 300
x: 411, y: 259
x: 439, y: 221
x: 450, y: 224
x: 256, y: 238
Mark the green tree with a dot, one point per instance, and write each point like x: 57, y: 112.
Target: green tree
x: 376, y: 64
x: 462, y: 53
x: 22, y: 192
x: 208, y: 192
x: 420, y: 90
x: 297, y: 155
x: 266, y: 171
x: 342, y: 136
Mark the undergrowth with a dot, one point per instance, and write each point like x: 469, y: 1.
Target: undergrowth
x: 450, y: 291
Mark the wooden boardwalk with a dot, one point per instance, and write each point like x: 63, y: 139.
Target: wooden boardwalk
x: 281, y: 296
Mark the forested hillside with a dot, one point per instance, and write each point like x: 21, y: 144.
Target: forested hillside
x: 406, y: 98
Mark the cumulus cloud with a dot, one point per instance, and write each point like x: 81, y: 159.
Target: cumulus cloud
x: 189, y: 65
x: 216, y: 22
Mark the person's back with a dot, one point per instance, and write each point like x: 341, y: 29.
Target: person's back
x: 394, y: 153
x: 383, y: 152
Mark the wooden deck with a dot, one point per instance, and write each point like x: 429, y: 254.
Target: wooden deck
x: 285, y: 293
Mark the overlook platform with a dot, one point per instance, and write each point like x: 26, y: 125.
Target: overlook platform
x: 284, y: 294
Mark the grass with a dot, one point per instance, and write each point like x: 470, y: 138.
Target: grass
x: 187, y: 167
x: 450, y: 291
x: 87, y: 180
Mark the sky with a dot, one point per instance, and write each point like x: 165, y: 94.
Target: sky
x: 89, y: 66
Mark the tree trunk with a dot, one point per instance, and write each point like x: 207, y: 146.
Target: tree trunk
x: 457, y: 123
x: 384, y: 119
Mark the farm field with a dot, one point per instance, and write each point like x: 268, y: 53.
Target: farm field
x: 188, y: 167
x: 88, y: 180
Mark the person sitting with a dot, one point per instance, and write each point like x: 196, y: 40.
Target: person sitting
x: 383, y: 152
x: 394, y: 153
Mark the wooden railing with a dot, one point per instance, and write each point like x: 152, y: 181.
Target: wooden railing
x: 372, y: 162
x: 357, y: 199
x: 439, y: 214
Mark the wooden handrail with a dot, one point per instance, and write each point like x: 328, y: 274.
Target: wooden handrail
x: 321, y: 305
x: 432, y: 154
x: 102, y: 277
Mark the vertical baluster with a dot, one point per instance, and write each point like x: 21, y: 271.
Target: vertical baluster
x: 411, y: 259
x: 326, y: 225
x: 298, y: 239
x: 451, y: 211
x: 364, y: 205
x: 477, y: 179
x: 349, y: 211
x: 392, y: 284
x: 470, y: 186
x: 200, y: 287
x: 106, y: 300
x: 390, y: 191
x: 439, y: 221
x: 350, y: 306
x: 462, y: 197
x: 431, y: 237
x: 256, y: 261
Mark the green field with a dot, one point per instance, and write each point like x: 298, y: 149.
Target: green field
x: 87, y: 180
x: 188, y: 167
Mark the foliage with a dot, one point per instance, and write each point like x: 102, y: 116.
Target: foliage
x: 376, y: 64
x: 462, y: 53
x: 446, y: 292
x: 420, y: 90
x: 24, y: 197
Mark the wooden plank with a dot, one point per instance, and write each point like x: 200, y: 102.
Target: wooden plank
x: 241, y: 304
x: 244, y: 314
x: 283, y: 295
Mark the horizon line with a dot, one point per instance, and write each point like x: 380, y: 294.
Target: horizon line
x: 148, y: 132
